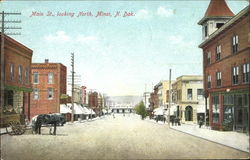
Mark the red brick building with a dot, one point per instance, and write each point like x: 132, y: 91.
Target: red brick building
x: 49, y: 84
x: 93, y: 102
x: 153, y: 101
x: 226, y: 60
x: 17, y: 78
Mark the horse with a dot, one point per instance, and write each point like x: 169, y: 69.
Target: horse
x: 46, y: 119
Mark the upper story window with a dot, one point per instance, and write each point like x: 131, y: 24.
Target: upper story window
x: 235, y: 44
x: 36, y: 78
x: 199, y: 94
x: 27, y: 76
x: 50, y: 93
x: 189, y: 94
x: 12, y: 71
x: 20, y: 73
x: 35, y: 93
x: 50, y: 78
x: 246, y: 73
x: 209, y: 58
x: 209, y: 81
x: 218, y: 79
x: 235, y: 75
x: 205, y: 31
x: 218, y: 52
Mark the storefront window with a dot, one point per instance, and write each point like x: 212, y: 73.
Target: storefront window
x: 216, y: 109
x: 228, y: 112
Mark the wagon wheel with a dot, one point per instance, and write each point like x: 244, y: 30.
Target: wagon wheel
x: 15, y: 128
x: 10, y: 129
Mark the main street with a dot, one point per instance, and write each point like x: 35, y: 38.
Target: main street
x: 122, y: 137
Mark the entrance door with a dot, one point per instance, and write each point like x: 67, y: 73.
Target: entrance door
x: 189, y: 113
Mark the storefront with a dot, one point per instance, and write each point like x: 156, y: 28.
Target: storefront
x: 230, y: 111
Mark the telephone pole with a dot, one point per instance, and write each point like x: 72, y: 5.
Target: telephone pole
x: 72, y: 87
x: 3, y: 28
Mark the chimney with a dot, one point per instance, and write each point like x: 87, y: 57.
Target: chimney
x: 46, y: 60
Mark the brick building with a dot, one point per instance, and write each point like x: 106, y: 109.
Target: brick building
x: 226, y: 63
x: 16, y: 77
x: 49, y: 84
x: 93, y: 102
x: 153, y: 101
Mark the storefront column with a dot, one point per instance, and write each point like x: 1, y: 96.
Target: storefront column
x: 210, y: 110
x: 221, y: 110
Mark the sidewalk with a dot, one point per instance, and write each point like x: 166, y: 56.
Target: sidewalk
x: 232, y: 139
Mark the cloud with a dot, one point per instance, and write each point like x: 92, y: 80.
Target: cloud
x: 142, y: 14
x: 86, y: 39
x: 58, y: 37
x: 180, y: 41
x: 162, y: 11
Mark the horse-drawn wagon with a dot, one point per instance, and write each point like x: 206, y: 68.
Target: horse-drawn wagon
x: 13, y: 122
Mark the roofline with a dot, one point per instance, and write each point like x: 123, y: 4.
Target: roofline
x: 226, y: 25
x: 218, y: 17
x: 16, y: 42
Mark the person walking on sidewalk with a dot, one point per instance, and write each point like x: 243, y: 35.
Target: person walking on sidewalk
x: 200, y: 121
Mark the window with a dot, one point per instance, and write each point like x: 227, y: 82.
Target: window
x: 218, y: 79
x: 199, y: 94
x: 218, y: 25
x: 12, y: 71
x: 35, y: 93
x: 205, y: 31
x: 209, y: 58
x: 215, y: 109
x: 27, y: 76
x: 20, y: 73
x: 209, y: 81
x: 235, y: 75
x: 50, y: 78
x: 235, y: 44
x: 50, y: 93
x: 36, y: 78
x: 246, y: 73
x: 189, y: 94
x: 218, y: 52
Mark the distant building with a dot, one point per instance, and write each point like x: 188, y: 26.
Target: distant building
x: 84, y: 95
x: 93, y: 102
x: 226, y: 65
x: 188, y: 98
x: 146, y: 97
x: 49, y: 83
x: 17, y: 78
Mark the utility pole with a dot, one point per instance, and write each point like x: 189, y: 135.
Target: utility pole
x: 3, y: 28
x: 169, y: 97
x: 72, y: 87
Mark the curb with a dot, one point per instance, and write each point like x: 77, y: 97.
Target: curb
x: 210, y: 140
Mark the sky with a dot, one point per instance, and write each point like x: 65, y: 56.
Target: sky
x: 116, y: 55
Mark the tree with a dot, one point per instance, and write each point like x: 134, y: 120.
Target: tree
x: 141, y: 110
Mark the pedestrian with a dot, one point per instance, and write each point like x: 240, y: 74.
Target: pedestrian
x: 164, y: 119
x: 200, y: 121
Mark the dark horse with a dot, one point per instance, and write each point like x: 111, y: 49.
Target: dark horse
x: 46, y: 119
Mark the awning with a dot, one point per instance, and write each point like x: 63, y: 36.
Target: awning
x: 173, y: 110
x: 104, y: 111
x: 159, y: 111
x: 64, y: 109
x: 77, y: 108
x: 201, y: 108
x: 86, y: 110
x: 91, y: 111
